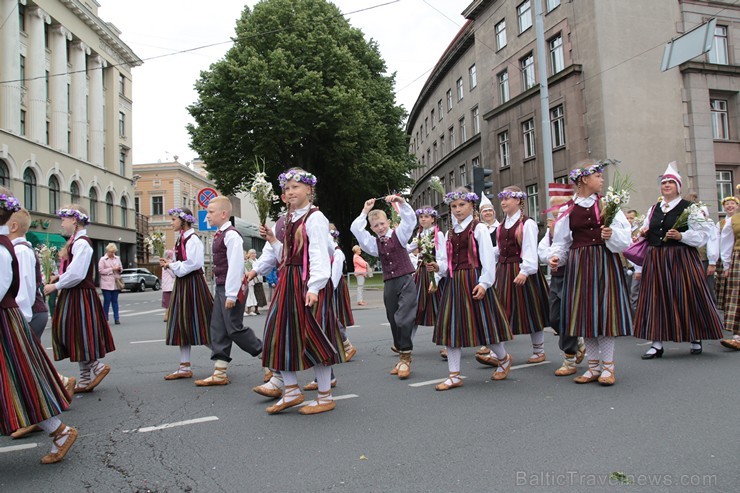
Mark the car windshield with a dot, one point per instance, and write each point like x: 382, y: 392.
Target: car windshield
x: 128, y: 271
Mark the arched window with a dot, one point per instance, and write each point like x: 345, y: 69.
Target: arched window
x: 124, y: 212
x: 109, y: 208
x: 4, y: 174
x: 93, y: 205
x: 53, y: 194
x: 29, y: 189
x: 74, y: 191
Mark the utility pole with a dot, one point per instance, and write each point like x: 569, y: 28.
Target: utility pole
x: 539, y: 30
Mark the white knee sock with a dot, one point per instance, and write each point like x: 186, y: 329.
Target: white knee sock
x: 592, y: 348
x: 323, y: 377
x: 606, y: 346
x: 538, y: 342
x: 453, y: 358
x: 185, y: 354
x: 499, y: 351
x: 289, y: 378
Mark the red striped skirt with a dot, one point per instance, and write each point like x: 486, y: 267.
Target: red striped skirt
x: 465, y: 322
x: 720, y: 286
x: 343, y: 305
x: 30, y: 389
x: 675, y: 303
x: 79, y: 327
x: 294, y: 338
x: 427, y: 303
x: 527, y: 307
x: 732, y: 302
x: 189, y: 313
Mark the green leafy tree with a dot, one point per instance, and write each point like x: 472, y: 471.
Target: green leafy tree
x: 301, y: 87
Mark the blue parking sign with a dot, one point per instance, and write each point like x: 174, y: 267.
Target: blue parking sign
x: 203, y: 224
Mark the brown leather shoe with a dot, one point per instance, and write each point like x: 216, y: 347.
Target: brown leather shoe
x: 99, y: 376
x: 219, y: 377
x: 349, y: 353
x: 394, y: 370
x: 455, y: 381
x: 483, y: 350
x: 180, y: 374
x: 21, y: 432
x: 568, y: 368
x: 486, y: 359
x: 607, y: 380
x: 61, y: 432
x: 730, y: 344
x: 70, y: 387
x: 282, y: 406
x: 500, y: 375
x: 322, y: 405
x: 591, y: 374
x: 404, y: 366
x: 268, y: 375
x: 536, y: 358
x: 581, y: 353
x: 268, y: 391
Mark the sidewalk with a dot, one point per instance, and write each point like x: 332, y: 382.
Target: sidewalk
x: 373, y: 297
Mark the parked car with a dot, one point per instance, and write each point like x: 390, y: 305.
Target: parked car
x: 139, y: 280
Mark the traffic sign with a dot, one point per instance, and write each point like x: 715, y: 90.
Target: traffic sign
x: 203, y: 224
x: 205, y: 195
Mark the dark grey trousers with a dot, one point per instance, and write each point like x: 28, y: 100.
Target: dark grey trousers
x: 399, y: 296
x: 568, y: 344
x: 38, y: 323
x: 227, y: 327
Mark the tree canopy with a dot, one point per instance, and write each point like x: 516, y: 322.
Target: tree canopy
x: 302, y: 87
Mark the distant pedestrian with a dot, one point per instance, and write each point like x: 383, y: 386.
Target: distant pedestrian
x: 362, y: 269
x: 272, y: 280
x: 251, y: 302
x: 168, y: 282
x: 110, y: 268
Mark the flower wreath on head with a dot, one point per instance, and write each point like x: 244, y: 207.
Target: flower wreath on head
x: 74, y: 213
x: 299, y: 176
x: 427, y: 211
x: 184, y: 216
x: 468, y: 196
x: 726, y: 199
x: 9, y: 203
x: 510, y: 194
x: 334, y: 233
x: 598, y: 167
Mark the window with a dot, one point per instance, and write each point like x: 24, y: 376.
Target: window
x: 452, y: 180
x: 557, y: 63
x: 93, y: 205
x: 46, y: 80
x: 136, y: 205
x: 434, y: 123
x: 463, y: 131
x: 475, y: 162
x: 524, y: 13
x: 429, y: 157
x: 720, y: 120
x: 557, y: 124
x: 74, y: 192
x: 23, y: 71
x: 121, y: 123
x: 562, y: 179
x: 528, y: 138
x: 452, y: 138
x: 551, y: 4
x: 463, y: 176
x: 473, y: 77
x: 29, y: 189
x: 504, y: 150
x: 23, y: 122
x: 533, y: 203
x: 459, y: 89
x: 157, y: 206
x: 724, y: 187
x: 435, y: 154
x: 449, y: 99
x: 109, y: 208
x: 501, y: 34
x: 122, y: 163
x: 22, y: 17
x: 47, y: 132
x: 4, y: 174
x: 53, y: 194
x: 527, y: 67
x: 121, y: 84
x: 124, y: 212
x: 718, y: 53
x: 426, y: 127
x: 442, y: 145
x: 69, y: 98
x: 421, y: 132
x: 475, y: 114
x: 503, y: 86
x: 439, y: 110
x: 423, y: 161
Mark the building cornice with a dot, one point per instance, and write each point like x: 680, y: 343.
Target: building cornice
x: 169, y: 167
x: 475, y: 8
x: 709, y: 68
x: 475, y: 139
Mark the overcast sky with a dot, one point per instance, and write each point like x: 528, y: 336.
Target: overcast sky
x: 411, y: 35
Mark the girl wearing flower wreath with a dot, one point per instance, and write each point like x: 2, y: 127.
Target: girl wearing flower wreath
x: 730, y: 252
x: 595, y: 303
x: 191, y: 302
x: 296, y: 336
x: 520, y: 285
x: 470, y: 313
x: 80, y: 329
x: 428, y: 239
x: 342, y: 303
x: 675, y: 303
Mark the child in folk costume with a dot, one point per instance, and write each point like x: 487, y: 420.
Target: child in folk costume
x: 427, y: 240
x: 168, y: 283
x: 399, y: 293
x: 226, y: 325
x: 80, y: 329
x: 191, y: 304
x: 342, y: 303
x: 32, y: 392
x: 470, y: 313
x: 487, y: 217
x: 573, y: 347
x: 716, y: 264
x: 730, y: 251
x: 297, y: 334
x: 520, y: 285
x: 675, y: 303
x: 595, y: 305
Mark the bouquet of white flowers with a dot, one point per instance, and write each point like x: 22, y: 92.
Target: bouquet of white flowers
x: 694, y: 213
x: 617, y: 196
x: 48, y: 258
x: 426, y: 254
x: 261, y: 192
x: 155, y: 243
x: 436, y: 183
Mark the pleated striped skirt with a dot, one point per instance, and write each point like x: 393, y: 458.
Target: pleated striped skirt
x: 675, y: 303
x: 595, y: 300
x: 343, y: 305
x: 527, y: 306
x: 732, y: 302
x: 325, y: 312
x: 427, y: 304
x: 79, y: 327
x: 189, y: 313
x: 294, y: 339
x: 465, y: 322
x: 30, y: 390
x: 720, y: 286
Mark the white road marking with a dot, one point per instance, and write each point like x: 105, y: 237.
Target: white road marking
x: 529, y: 365
x: 146, y: 342
x: 386, y: 324
x: 353, y: 326
x: 158, y: 310
x: 431, y: 382
x: 15, y: 448
x: 165, y: 426
x: 645, y: 344
x: 336, y: 398
x: 120, y: 312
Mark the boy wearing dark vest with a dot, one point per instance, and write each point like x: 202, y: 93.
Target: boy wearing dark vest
x: 226, y: 319
x: 399, y: 294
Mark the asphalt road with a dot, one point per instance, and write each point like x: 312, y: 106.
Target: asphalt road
x: 667, y: 425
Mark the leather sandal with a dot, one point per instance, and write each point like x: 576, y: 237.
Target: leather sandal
x: 268, y: 375
x: 21, y: 432
x: 281, y: 406
x: 483, y: 350
x: 487, y: 359
x: 608, y: 367
x: 404, y: 366
x: 591, y: 375
x: 315, y: 385
x: 536, y: 358
x: 219, y: 377
x: 61, y: 432
x: 454, y: 379
x: 319, y: 407
x: 568, y: 368
x: 580, y: 353
x: 180, y: 374
x: 503, y: 370
x: 96, y: 381
x: 349, y: 353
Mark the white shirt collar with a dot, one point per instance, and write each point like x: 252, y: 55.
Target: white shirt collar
x: 510, y: 220
x: 4, y: 230
x: 20, y: 239
x: 80, y: 233
x: 464, y: 224
x: 298, y: 213
x: 492, y: 227
x: 225, y: 226
x: 585, y: 201
x: 187, y: 233
x: 673, y: 203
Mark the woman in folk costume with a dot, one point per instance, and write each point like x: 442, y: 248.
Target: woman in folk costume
x: 295, y: 330
x: 470, y: 313
x: 427, y: 240
x: 675, y: 303
x: 730, y: 252
x: 595, y: 303
x: 342, y: 303
x: 488, y: 217
x: 716, y: 265
x: 191, y: 303
x: 80, y: 329
x: 31, y: 392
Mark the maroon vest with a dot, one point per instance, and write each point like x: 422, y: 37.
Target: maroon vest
x: 39, y: 306
x: 220, y: 259
x: 8, y: 300
x: 510, y: 251
x: 88, y: 282
x: 462, y: 248
x: 585, y: 226
x: 394, y: 258
x: 293, y: 248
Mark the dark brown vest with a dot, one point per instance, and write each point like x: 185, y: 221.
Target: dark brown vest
x: 585, y: 226
x: 88, y: 282
x: 8, y: 300
x: 220, y: 258
x: 660, y: 223
x: 394, y: 258
x: 462, y: 248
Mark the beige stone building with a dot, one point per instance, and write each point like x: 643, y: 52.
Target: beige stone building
x: 608, y: 97
x: 65, y: 117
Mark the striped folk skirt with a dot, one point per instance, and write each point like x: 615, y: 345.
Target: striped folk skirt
x: 465, y: 322
x: 427, y: 304
x: 294, y: 338
x: 189, y: 314
x: 30, y: 390
x: 720, y: 286
x: 527, y: 307
x: 79, y: 327
x: 732, y: 302
x: 595, y: 299
x: 343, y: 305
x: 675, y: 303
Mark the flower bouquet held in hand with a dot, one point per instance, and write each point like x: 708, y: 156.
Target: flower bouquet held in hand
x: 47, y: 257
x: 155, y: 243
x: 617, y: 196
x: 426, y: 255
x: 436, y: 183
x: 694, y: 213
x: 261, y: 192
